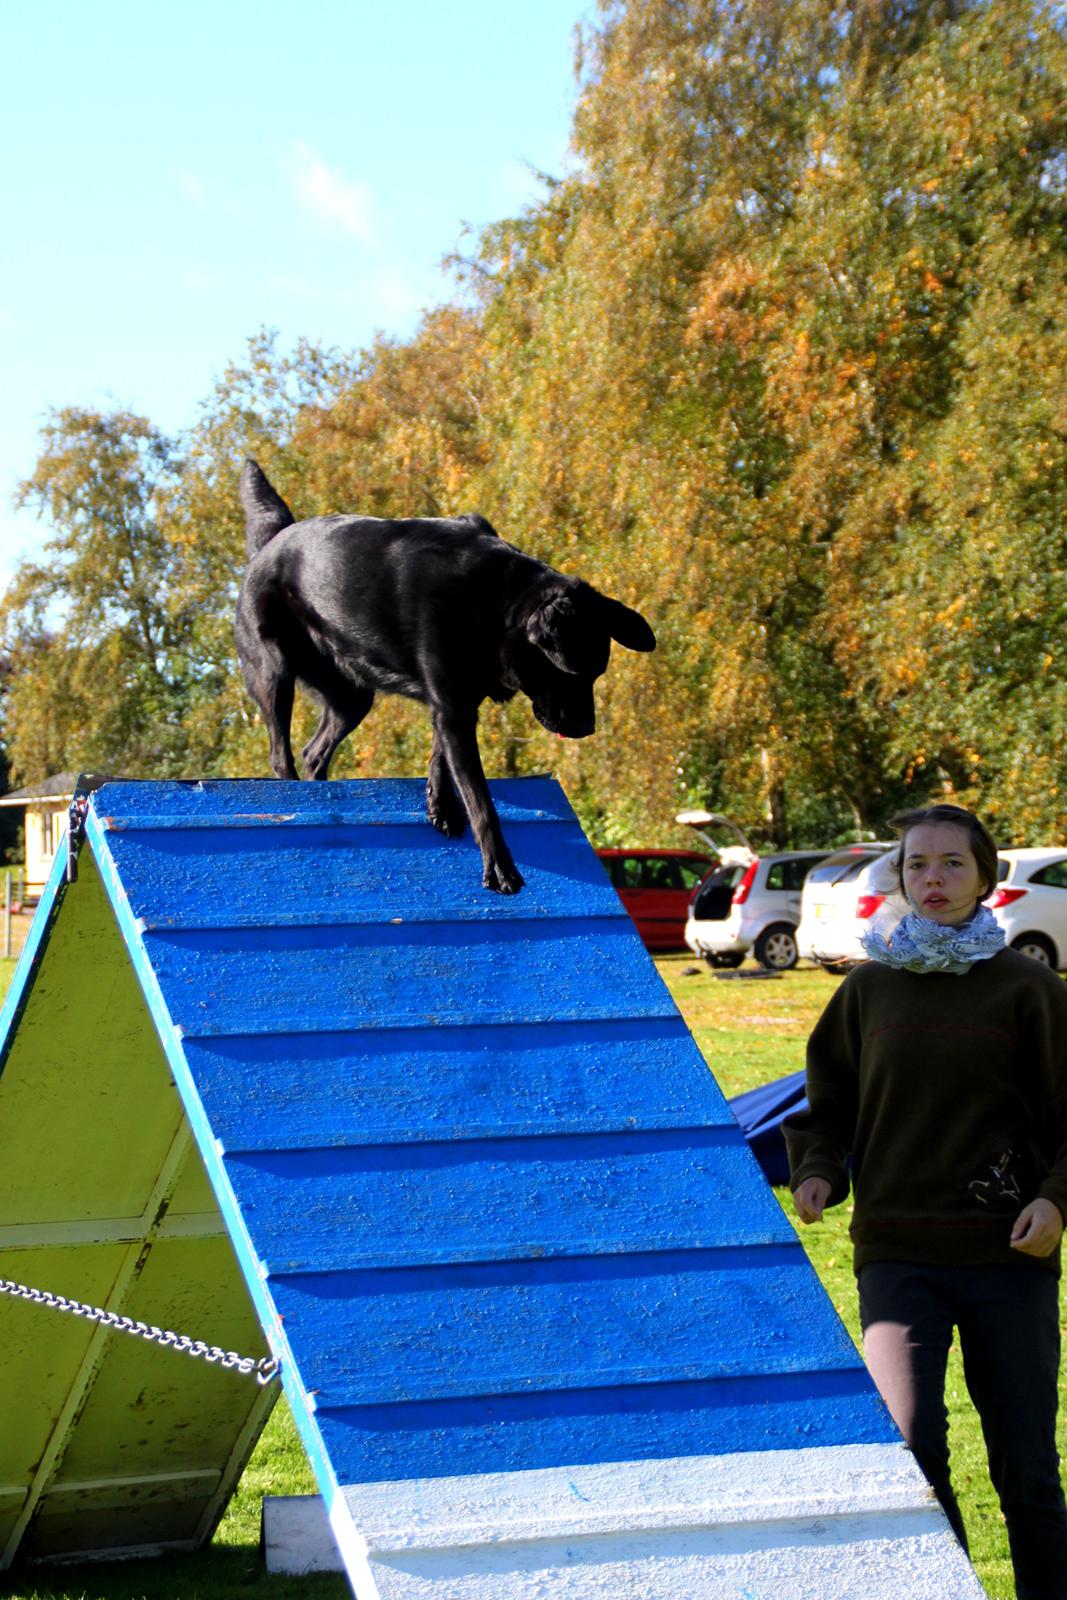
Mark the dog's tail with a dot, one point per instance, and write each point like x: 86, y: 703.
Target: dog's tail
x: 266, y: 513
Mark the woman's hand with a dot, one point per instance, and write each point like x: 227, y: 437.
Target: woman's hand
x: 810, y: 1197
x: 1037, y: 1228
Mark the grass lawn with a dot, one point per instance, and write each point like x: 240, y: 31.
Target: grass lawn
x: 751, y: 1031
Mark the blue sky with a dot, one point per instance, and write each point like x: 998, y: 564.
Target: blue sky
x: 175, y: 177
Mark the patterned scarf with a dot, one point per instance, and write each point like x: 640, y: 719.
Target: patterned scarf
x: 920, y: 945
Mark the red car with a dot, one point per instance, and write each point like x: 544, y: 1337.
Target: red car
x: 655, y: 887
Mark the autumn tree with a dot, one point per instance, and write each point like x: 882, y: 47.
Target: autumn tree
x: 98, y: 659
x: 756, y: 307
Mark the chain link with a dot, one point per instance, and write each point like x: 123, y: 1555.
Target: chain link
x: 264, y: 1369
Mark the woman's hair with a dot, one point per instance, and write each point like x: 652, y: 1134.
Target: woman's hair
x: 978, y: 837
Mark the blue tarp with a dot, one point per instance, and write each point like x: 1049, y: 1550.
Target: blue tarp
x: 761, y: 1113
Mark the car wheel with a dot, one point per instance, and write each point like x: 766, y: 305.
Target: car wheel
x: 725, y: 958
x: 1037, y: 947
x: 776, y: 947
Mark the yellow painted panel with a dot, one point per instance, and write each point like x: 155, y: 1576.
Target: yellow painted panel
x: 193, y: 1192
x: 87, y: 1108
x: 164, y: 1512
x: 11, y: 1502
x: 153, y: 1405
x: 41, y: 1349
x: 109, y: 1442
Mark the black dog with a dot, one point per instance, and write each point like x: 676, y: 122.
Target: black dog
x: 437, y: 608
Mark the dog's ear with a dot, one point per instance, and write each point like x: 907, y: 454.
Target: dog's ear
x: 551, y: 628
x: 626, y: 626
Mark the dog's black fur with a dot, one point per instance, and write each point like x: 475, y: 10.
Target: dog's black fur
x: 437, y: 608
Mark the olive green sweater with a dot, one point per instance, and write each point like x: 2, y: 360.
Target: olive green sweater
x: 922, y: 1080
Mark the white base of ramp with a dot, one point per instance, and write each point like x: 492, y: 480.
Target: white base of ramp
x: 295, y: 1536
x: 820, y: 1524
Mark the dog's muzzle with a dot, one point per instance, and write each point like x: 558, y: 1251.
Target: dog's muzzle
x: 566, y: 727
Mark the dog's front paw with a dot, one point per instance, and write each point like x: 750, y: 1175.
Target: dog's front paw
x: 446, y: 814
x: 503, y: 877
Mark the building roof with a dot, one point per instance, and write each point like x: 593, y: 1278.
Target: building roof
x: 59, y: 787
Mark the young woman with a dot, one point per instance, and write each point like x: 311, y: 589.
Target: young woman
x: 938, y: 1075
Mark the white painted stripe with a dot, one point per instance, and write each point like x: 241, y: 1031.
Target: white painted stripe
x: 353, y: 1551
x: 756, y: 1486
x: 787, y: 1561
x: 815, y: 1524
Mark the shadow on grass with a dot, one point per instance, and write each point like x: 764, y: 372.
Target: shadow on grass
x: 214, y: 1574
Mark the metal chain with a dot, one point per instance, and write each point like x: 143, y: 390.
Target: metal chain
x: 265, y: 1368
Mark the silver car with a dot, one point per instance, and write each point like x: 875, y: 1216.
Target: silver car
x: 754, y: 908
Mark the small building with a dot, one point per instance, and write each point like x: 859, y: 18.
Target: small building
x: 46, y: 806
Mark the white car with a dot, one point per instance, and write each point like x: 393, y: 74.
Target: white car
x: 755, y: 907
x: 1030, y: 903
x: 842, y: 896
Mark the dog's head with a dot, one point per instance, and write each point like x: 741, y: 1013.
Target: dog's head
x: 562, y: 645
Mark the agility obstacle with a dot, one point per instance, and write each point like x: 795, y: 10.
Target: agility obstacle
x: 277, y: 1072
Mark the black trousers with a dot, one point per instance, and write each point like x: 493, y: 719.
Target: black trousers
x: 1008, y: 1321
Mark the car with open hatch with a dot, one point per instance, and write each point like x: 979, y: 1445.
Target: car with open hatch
x: 760, y: 914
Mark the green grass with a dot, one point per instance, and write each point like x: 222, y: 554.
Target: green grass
x: 750, y: 1031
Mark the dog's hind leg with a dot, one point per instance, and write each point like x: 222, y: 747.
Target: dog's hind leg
x: 456, y: 733
x: 272, y: 687
x: 443, y: 805
x: 335, y: 724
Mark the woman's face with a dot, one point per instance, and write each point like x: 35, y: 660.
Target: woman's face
x: 941, y: 877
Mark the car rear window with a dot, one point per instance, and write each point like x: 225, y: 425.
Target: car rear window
x: 1054, y: 875
x: 882, y: 874
x: 854, y: 871
x: 838, y: 868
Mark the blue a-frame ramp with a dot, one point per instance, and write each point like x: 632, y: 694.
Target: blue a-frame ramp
x: 544, y: 1329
